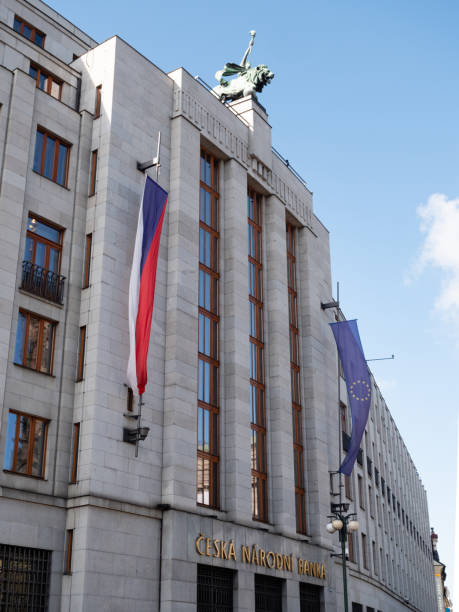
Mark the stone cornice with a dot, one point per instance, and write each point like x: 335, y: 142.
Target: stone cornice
x: 186, y: 105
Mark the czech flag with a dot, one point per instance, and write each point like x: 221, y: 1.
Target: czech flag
x: 143, y: 279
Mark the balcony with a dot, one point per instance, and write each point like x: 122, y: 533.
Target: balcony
x: 43, y: 283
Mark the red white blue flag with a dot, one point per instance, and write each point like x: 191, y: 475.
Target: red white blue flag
x: 143, y: 279
x: 358, y: 385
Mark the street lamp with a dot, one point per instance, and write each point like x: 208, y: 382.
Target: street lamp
x: 344, y: 524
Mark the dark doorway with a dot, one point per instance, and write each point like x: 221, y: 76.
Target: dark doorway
x: 215, y: 589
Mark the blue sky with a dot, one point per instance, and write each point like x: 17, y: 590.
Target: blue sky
x: 364, y: 104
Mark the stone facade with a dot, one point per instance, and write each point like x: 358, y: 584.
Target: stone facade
x: 137, y: 534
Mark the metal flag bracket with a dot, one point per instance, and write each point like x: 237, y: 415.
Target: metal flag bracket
x: 153, y: 163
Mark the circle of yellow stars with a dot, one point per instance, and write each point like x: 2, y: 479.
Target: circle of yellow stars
x: 363, y: 391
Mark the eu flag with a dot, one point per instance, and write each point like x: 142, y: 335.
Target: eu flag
x: 358, y: 385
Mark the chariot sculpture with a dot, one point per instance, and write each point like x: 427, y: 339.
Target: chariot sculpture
x: 248, y: 81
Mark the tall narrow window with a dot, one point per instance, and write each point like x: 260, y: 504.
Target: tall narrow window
x: 208, y: 476
x: 350, y: 547
x: 51, y: 158
x: 34, y: 342
x: 81, y: 350
x: 361, y: 494
x: 87, y: 261
x: 98, y: 101
x: 364, y: 551
x: 68, y: 552
x: 297, y: 413
x: 25, y: 444
x: 42, y: 258
x: 76, y: 444
x: 92, y: 185
x: 259, y: 469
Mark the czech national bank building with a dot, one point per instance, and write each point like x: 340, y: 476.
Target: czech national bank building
x: 222, y: 501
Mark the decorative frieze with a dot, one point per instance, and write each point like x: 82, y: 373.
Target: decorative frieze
x: 186, y: 105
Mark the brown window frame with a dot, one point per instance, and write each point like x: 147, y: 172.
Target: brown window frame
x: 81, y: 354
x: 258, y: 444
x: 50, y: 80
x: 42, y: 319
x: 130, y: 400
x: 34, y: 31
x: 75, y: 450
x: 350, y: 547
x: 58, y: 141
x: 208, y: 456
x: 92, y: 184
x: 98, y: 103
x: 68, y: 552
x: 295, y: 369
x: 364, y: 551
x: 87, y: 261
x: 361, y: 491
x: 33, y: 418
x: 46, y: 241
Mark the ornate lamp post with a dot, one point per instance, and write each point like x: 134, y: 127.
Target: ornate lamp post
x: 344, y: 523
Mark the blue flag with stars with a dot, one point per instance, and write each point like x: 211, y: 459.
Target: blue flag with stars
x: 358, y: 385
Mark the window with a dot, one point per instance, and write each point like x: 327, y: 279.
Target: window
x: 297, y: 413
x: 347, y: 486
x: 364, y: 551
x: 130, y: 400
x: 68, y: 552
x: 375, y: 558
x: 208, y: 470
x: 361, y: 494
x: 87, y: 261
x: 92, y: 186
x: 51, y: 157
x: 34, y: 342
x: 25, y: 444
x: 28, y: 31
x: 309, y: 597
x: 214, y: 589
x: 98, y: 101
x: 259, y: 469
x: 46, y: 81
x: 81, y: 350
x: 25, y: 577
x: 350, y: 547
x: 76, y: 444
x: 370, y: 497
x: 268, y: 594
x: 356, y: 607
x: 42, y: 258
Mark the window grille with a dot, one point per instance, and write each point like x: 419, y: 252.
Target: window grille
x: 214, y: 589
x: 309, y: 597
x: 24, y: 579
x: 268, y: 594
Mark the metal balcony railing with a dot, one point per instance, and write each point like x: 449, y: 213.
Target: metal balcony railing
x: 41, y: 282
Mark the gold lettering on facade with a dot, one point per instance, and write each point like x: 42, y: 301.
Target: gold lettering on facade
x: 273, y: 560
x: 262, y: 557
x: 220, y: 549
x: 245, y: 554
x: 198, y: 544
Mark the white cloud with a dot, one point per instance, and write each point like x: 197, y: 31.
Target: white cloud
x: 440, y: 224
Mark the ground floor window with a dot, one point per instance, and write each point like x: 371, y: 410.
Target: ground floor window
x: 309, y: 597
x: 24, y: 578
x: 215, y: 589
x: 356, y: 607
x: 268, y: 594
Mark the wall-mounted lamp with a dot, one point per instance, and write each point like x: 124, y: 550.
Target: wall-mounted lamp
x: 132, y: 436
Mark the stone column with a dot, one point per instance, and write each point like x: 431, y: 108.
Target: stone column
x: 181, y: 369
x: 235, y: 413
x: 291, y: 596
x: 277, y: 353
